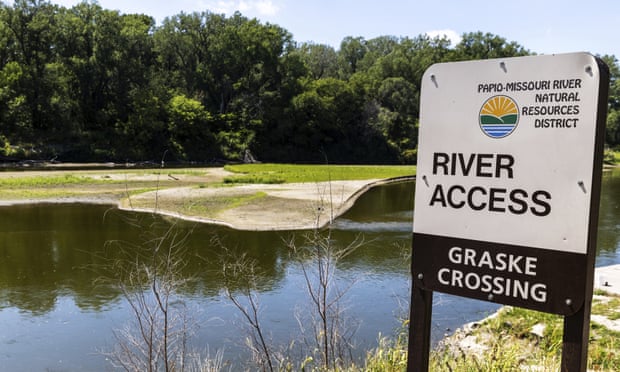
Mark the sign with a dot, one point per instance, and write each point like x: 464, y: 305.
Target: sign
x: 508, y: 179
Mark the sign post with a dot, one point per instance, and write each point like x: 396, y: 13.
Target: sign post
x: 507, y: 192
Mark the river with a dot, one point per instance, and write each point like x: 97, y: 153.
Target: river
x: 58, y: 309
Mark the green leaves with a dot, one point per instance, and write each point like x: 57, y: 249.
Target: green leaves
x: 87, y: 83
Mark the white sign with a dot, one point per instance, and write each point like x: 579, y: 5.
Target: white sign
x: 506, y: 151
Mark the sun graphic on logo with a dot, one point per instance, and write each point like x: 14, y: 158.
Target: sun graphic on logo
x: 499, y: 116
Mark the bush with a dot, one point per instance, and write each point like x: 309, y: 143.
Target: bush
x: 5, y: 146
x: 609, y: 157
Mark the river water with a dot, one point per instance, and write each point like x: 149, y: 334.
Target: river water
x: 58, y: 310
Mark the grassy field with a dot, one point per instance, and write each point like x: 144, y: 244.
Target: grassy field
x: 51, y: 180
x: 120, y: 183
x: 288, y: 173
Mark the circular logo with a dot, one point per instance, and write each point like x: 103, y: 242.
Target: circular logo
x: 499, y: 116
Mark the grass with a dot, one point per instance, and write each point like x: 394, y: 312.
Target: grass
x: 198, y: 206
x: 24, y: 193
x: 47, y: 181
x: 611, y: 157
x: 213, y: 205
x: 110, y: 183
x: 390, y: 355
x: 609, y: 308
x: 292, y: 173
x: 126, y: 185
x: 510, y: 345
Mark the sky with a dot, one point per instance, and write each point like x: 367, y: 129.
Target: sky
x: 542, y: 26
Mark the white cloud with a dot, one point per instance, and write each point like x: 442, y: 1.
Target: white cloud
x: 267, y: 7
x: 452, y: 35
x: 260, y: 7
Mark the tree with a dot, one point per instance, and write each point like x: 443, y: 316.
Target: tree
x: 398, y: 115
x: 612, y: 133
x: 15, y: 118
x: 189, y: 122
x: 329, y: 122
x: 110, y: 62
x: 391, y: 86
x: 181, y: 44
x: 233, y: 66
x: 320, y: 59
x: 87, y: 83
x: 29, y: 31
x: 377, y: 48
x: 145, y: 134
x: 352, y: 51
x: 478, y: 45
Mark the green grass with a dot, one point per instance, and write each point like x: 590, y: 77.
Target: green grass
x: 513, y: 347
x: 47, y: 181
x: 177, y: 171
x: 198, y: 206
x: 609, y: 308
x: 143, y: 190
x: 611, y: 157
x: 510, y: 344
x: 389, y: 356
x: 290, y: 173
x: 213, y: 205
x: 25, y: 193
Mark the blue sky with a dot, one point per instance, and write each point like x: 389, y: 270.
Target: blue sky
x: 542, y: 26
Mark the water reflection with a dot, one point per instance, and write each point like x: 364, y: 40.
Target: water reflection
x: 609, y: 219
x: 47, y: 251
x: 52, y: 259
x: 55, y: 250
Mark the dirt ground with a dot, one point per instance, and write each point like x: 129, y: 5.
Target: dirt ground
x: 262, y: 207
x: 198, y: 195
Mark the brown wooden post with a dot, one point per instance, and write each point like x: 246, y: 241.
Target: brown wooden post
x: 419, y: 329
x: 577, y: 326
x: 575, y: 341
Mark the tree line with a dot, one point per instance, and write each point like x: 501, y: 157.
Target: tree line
x: 92, y: 84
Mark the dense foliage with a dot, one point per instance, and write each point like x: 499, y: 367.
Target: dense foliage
x: 87, y: 83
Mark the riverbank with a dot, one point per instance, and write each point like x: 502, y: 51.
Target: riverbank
x: 292, y: 206
x: 519, y: 339
x: 192, y: 194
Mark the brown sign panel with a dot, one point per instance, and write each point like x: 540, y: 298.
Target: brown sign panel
x: 506, y: 274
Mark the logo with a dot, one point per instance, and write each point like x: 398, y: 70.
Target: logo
x: 499, y: 116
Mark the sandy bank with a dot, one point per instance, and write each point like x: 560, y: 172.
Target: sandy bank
x: 291, y: 206
x: 197, y: 195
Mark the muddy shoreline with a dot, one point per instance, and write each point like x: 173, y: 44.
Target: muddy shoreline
x: 198, y: 195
